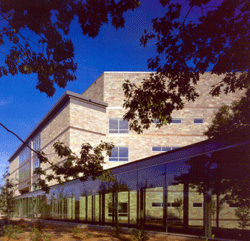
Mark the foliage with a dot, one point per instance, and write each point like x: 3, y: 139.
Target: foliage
x: 73, y: 167
x: 243, y: 214
x: 193, y: 37
x: 12, y: 231
x: 139, y: 234
x: 7, y: 199
x: 224, y: 172
x: 49, y: 54
x: 178, y: 205
x: 77, y: 232
x: 38, y: 235
x: 231, y: 119
x: 39, y: 225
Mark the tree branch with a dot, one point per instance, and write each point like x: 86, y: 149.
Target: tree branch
x: 38, y: 153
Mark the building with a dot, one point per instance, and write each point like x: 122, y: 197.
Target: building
x: 147, y: 191
x: 96, y: 115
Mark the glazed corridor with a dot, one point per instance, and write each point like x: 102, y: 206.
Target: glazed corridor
x: 159, y: 192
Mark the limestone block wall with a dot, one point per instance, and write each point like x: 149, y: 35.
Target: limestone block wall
x: 56, y: 127
x: 204, y: 107
x: 95, y: 91
x: 89, y: 119
x: 113, y: 81
x: 78, y: 137
x: 113, y: 93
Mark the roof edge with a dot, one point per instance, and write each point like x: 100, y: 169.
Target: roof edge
x: 65, y: 98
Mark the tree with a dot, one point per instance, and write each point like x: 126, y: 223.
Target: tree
x: 243, y: 214
x: 89, y: 164
x: 178, y: 205
x: 193, y: 37
x: 7, y: 198
x: 231, y: 119
x: 234, y: 122
x: 49, y: 54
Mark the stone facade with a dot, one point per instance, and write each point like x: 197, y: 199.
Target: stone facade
x: 77, y: 119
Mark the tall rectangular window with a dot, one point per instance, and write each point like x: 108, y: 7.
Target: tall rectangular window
x: 118, y: 126
x: 37, y: 143
x: 36, y: 163
x: 119, y: 154
x: 24, y: 155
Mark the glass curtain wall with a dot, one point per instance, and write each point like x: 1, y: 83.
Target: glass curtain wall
x: 180, y: 191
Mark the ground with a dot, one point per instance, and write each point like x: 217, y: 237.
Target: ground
x: 60, y: 231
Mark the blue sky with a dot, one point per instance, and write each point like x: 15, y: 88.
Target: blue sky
x: 22, y: 106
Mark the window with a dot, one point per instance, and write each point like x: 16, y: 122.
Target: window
x: 36, y: 163
x: 24, y: 155
x: 118, y: 126
x: 197, y: 205
x: 122, y: 210
x: 36, y: 143
x: 119, y: 154
x: 156, y: 121
x: 24, y: 172
x: 164, y: 148
x: 176, y: 121
x: 198, y: 121
x: 157, y: 205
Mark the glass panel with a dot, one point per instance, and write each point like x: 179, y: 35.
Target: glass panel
x: 133, y: 207
x: 112, y: 159
x: 89, y: 208
x: 128, y: 179
x: 71, y: 208
x: 108, y: 207
x: 113, y: 131
x: 113, y: 124
x: 166, y: 148
x: 122, y: 131
x: 151, y: 177
x: 175, y: 147
x: 154, y: 214
x: 123, y: 151
x: 150, y: 184
x: 82, y: 208
x: 97, y: 208
x: 198, y: 121
x: 156, y: 148
x: 114, y: 152
x: 123, y: 126
x: 175, y: 207
x: 176, y: 121
x: 123, y: 206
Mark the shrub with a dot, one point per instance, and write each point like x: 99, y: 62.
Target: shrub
x: 12, y: 231
x: 139, y: 235
x: 38, y: 235
x: 77, y: 232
